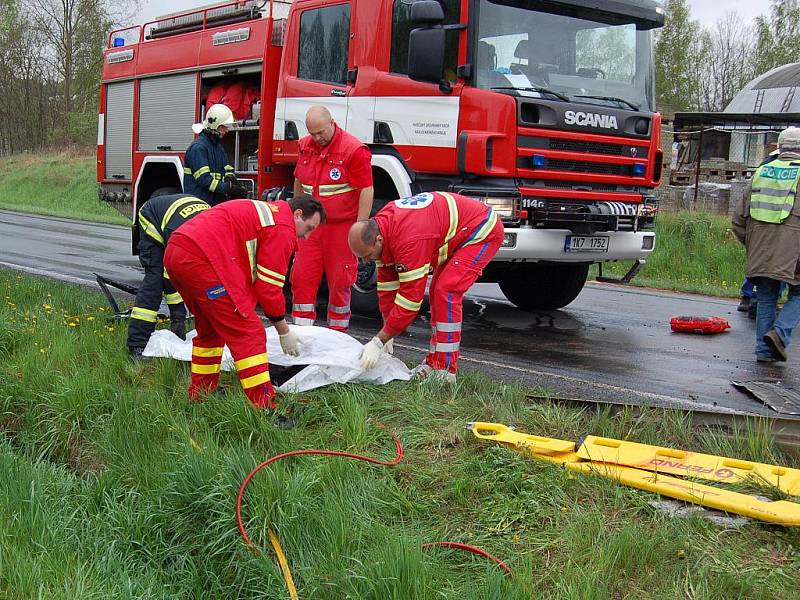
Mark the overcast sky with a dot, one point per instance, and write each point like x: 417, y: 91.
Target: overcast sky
x: 706, y: 11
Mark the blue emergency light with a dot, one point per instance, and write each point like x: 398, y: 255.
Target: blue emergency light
x: 639, y: 169
x: 119, y: 42
x: 538, y: 161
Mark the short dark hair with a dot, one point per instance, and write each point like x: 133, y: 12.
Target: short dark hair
x: 308, y: 205
x: 370, y: 232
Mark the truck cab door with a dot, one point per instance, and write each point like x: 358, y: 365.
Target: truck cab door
x: 419, y: 118
x: 315, y: 66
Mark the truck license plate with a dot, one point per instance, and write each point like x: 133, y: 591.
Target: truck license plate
x: 586, y: 243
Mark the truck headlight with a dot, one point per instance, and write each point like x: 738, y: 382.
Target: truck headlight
x: 505, y: 207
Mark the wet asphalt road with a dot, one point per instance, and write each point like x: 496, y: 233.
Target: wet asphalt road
x: 613, y: 344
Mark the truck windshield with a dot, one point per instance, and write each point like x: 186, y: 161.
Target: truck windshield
x: 528, y: 47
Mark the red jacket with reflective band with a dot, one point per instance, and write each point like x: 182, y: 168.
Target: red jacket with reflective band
x: 335, y: 174
x: 420, y: 233
x: 249, y: 244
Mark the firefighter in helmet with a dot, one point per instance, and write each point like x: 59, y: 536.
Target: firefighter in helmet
x: 206, y: 173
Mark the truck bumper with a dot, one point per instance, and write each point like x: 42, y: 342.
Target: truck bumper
x: 550, y: 245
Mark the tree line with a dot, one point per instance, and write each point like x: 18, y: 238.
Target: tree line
x: 701, y: 67
x: 51, y: 52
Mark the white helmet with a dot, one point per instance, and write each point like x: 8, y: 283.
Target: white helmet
x: 217, y: 115
x: 789, y: 139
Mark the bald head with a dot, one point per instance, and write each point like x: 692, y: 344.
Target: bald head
x: 320, y: 125
x: 365, y: 239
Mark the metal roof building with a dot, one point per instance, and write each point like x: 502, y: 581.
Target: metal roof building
x: 771, y: 93
x: 746, y: 130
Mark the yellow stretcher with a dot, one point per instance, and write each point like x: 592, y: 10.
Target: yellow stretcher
x: 644, y: 467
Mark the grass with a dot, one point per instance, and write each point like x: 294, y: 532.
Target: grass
x: 57, y: 184
x: 695, y: 252
x: 112, y: 485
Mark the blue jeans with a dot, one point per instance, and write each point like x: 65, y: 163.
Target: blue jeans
x: 768, y: 291
x: 748, y: 290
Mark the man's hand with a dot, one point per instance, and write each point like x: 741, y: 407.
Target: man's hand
x: 388, y: 347
x: 230, y: 177
x: 290, y: 343
x: 237, y: 191
x: 371, y: 353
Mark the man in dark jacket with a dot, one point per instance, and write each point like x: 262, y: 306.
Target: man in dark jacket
x: 159, y: 217
x: 767, y: 222
x: 206, y: 173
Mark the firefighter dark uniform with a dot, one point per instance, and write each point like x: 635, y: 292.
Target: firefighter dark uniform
x: 335, y: 175
x: 158, y: 219
x: 205, y: 167
x: 224, y: 263
x: 452, y: 235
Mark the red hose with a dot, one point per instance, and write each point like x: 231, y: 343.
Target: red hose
x: 468, y: 548
x: 246, y: 482
x: 374, y: 461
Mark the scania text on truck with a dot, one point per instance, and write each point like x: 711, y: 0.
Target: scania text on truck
x: 543, y: 109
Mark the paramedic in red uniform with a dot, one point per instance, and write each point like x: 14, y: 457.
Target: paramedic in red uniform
x: 452, y: 235
x: 234, y: 256
x: 333, y: 167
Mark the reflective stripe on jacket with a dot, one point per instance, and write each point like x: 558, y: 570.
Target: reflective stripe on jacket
x: 160, y: 216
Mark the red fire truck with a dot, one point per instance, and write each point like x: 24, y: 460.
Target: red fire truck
x: 543, y: 109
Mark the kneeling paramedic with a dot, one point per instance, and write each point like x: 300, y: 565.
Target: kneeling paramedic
x: 225, y: 262
x: 159, y: 217
x: 455, y: 236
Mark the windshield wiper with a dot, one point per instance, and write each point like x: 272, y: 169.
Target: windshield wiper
x: 540, y: 90
x: 612, y: 99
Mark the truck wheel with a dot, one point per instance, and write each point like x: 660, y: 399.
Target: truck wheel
x: 544, y: 286
x: 165, y: 191
x: 364, y: 295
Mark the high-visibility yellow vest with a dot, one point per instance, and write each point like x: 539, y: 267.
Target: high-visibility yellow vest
x: 774, y: 191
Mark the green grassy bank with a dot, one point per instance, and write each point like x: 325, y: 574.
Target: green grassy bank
x: 59, y: 184
x: 695, y: 252
x: 112, y: 485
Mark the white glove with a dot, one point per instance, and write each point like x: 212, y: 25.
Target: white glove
x: 290, y: 343
x: 371, y: 353
x: 388, y: 347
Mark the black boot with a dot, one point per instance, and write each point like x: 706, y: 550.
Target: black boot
x: 178, y: 327
x: 137, y: 354
x: 744, y: 304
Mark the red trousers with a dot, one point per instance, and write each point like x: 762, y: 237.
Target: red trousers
x: 218, y: 323
x: 448, y: 285
x: 326, y: 251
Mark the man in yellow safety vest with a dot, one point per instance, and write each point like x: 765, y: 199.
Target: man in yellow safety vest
x: 767, y: 222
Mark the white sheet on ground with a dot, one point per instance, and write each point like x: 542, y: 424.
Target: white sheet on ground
x: 332, y: 357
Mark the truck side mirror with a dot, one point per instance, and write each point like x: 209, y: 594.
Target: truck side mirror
x: 426, y: 44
